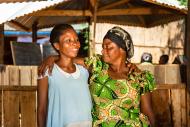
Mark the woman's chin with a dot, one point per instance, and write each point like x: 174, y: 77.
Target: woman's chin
x: 73, y: 56
x: 105, y: 60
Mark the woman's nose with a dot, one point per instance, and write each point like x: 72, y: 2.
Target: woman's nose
x: 76, y: 43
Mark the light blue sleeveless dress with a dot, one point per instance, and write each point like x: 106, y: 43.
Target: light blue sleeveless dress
x: 69, y: 100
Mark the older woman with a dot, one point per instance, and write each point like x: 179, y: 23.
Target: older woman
x: 121, y: 97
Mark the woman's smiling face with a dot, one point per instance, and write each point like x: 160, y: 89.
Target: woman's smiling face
x: 68, y: 44
x: 110, y: 51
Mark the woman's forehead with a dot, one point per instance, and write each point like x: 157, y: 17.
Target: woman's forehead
x: 69, y: 31
x: 108, y: 42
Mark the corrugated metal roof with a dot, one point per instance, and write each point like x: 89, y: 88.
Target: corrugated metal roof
x: 175, y: 4
x: 172, y: 9
x: 10, y: 11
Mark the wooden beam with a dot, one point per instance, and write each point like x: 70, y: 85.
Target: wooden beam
x: 34, y: 88
x: 113, y: 4
x: 132, y: 11
x: 187, y: 54
x: 170, y: 86
x: 142, y: 20
x: 18, y: 88
x: 63, y: 13
x: 66, y: 21
x: 2, y: 43
x: 19, y: 25
x: 92, y: 3
x: 158, y: 22
x: 93, y: 30
x: 34, y: 32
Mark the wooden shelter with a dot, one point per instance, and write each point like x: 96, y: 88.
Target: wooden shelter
x: 18, y: 84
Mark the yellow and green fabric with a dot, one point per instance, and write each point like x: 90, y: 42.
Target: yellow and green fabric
x: 116, y: 103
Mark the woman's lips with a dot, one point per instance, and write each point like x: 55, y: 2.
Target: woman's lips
x: 75, y: 49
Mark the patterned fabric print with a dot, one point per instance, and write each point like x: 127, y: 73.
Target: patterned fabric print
x: 117, y: 102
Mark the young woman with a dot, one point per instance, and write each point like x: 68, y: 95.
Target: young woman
x: 121, y: 97
x: 63, y: 97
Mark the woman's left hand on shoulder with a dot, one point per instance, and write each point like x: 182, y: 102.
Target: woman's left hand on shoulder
x: 132, y: 68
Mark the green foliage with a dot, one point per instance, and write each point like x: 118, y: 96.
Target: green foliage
x: 84, y: 41
x: 183, y: 2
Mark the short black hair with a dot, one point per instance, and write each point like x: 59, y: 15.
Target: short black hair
x: 57, y: 31
x: 164, y: 59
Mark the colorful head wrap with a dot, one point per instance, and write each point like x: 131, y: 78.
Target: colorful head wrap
x: 122, y: 38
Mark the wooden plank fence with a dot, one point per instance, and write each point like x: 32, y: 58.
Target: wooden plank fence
x: 18, y: 96
x: 169, y: 100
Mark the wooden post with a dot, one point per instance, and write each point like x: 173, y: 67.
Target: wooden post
x: 187, y: 54
x: 34, y: 32
x: 1, y: 43
x: 90, y: 38
x: 93, y: 28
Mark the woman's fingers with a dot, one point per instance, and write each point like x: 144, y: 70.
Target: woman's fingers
x: 44, y: 66
x: 47, y: 64
x: 40, y: 70
x: 132, y: 67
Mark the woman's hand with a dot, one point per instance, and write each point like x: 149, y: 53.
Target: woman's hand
x: 146, y: 108
x: 47, y: 64
x: 132, y: 68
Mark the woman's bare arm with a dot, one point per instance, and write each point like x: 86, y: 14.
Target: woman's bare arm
x: 42, y: 97
x: 146, y: 108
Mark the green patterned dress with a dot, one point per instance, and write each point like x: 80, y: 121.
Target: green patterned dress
x: 117, y: 102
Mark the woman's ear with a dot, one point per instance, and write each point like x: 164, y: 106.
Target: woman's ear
x: 56, y: 45
x: 123, y: 52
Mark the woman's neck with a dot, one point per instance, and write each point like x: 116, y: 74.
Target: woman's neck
x: 65, y: 62
x: 118, y: 66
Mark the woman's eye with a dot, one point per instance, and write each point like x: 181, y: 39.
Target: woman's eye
x: 109, y: 48
x: 67, y: 40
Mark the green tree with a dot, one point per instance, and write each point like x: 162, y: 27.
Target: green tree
x: 183, y: 2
